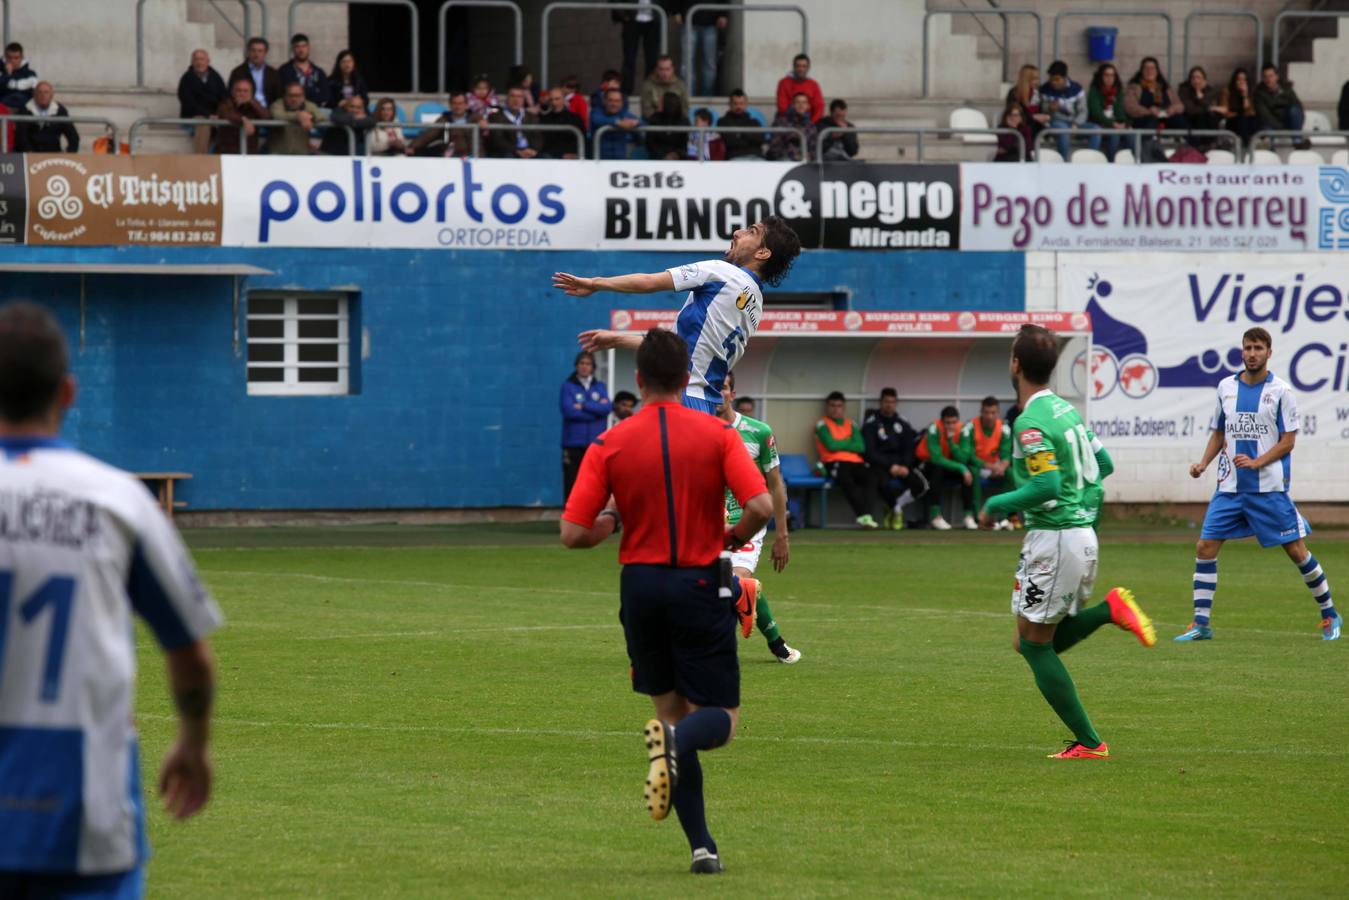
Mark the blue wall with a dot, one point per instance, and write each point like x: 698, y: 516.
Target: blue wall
x: 457, y: 402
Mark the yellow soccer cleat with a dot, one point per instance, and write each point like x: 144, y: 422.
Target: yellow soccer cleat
x: 1125, y: 613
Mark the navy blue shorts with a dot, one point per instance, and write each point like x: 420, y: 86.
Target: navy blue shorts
x: 44, y: 886
x: 680, y: 634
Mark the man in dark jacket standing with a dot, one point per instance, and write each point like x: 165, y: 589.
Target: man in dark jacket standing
x: 40, y: 136
x: 302, y: 70
x: 18, y: 80
x: 891, y: 441
x: 585, y: 415
x: 266, y: 82
x: 200, y: 91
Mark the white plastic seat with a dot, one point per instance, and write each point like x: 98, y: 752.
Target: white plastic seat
x: 967, y: 117
x: 1340, y: 158
x: 1306, y: 158
x: 1125, y: 157
x: 1319, y: 121
x: 1221, y: 157
x: 1265, y: 158
x: 1047, y: 155
x: 1087, y: 156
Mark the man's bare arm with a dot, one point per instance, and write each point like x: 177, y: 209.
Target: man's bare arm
x: 778, y: 489
x: 1215, y: 444
x: 1284, y: 447
x: 576, y: 286
x: 185, y: 777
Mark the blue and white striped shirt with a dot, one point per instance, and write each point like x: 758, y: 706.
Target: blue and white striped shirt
x: 721, y: 314
x: 1251, y: 418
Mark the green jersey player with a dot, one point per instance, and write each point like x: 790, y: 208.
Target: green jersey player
x: 763, y: 449
x: 1059, y: 466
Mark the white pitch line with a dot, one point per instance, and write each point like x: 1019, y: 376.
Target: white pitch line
x: 765, y: 739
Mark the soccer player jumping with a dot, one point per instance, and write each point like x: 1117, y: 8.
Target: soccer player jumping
x: 1254, y: 428
x: 1058, y: 464
x: 723, y: 308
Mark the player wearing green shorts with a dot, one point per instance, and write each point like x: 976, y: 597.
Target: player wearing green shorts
x: 763, y: 449
x: 1059, y: 466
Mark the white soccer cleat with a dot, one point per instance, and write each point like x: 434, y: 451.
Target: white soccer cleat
x: 969, y: 524
x: 1002, y: 525
x: 793, y: 656
x: 940, y: 524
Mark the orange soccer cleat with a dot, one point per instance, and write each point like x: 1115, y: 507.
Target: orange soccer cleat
x: 1125, y: 613
x: 746, y: 605
x: 1079, y: 750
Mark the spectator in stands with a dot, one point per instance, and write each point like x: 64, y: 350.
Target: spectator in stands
x: 300, y: 113
x: 1277, y: 105
x: 786, y: 146
x: 705, y: 145
x: 456, y: 142
x: 1066, y: 103
x: 482, y: 100
x: 1202, y: 107
x: 947, y: 469
x: 744, y: 406
x: 585, y: 415
x: 838, y: 147
x: 839, y: 443
x: 708, y: 28
x: 576, y: 101
x: 1343, y: 110
x: 660, y: 82
x: 616, y: 142
x: 1026, y: 91
x: 239, y: 107
x: 300, y: 68
x: 200, y: 91
x: 346, y: 82
x: 336, y: 141
x: 507, y: 143
x: 20, y: 80
x: 1105, y: 106
x: 1009, y: 149
x: 668, y: 144
x: 553, y: 110
x: 266, y: 81
x: 639, y: 26
x: 625, y: 404
x: 798, y: 81
x: 45, y: 137
x: 890, y: 446
x: 740, y: 145
x: 386, y: 138
x: 521, y: 77
x: 1149, y: 100
x: 986, y: 442
x: 1238, y: 102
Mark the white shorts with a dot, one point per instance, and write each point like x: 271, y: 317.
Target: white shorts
x: 747, y: 557
x: 1056, y: 574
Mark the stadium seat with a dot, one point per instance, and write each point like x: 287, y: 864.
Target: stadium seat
x: 427, y: 112
x: 1265, y: 158
x: 1087, y: 156
x: 1319, y: 121
x: 1340, y: 158
x: 1125, y: 157
x: 1221, y: 157
x: 1047, y: 155
x: 757, y: 116
x: 1305, y: 158
x: 799, y: 476
x: 968, y: 117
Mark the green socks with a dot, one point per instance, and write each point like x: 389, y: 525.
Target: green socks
x: 764, y: 618
x: 1058, y: 689
x: 1075, y: 628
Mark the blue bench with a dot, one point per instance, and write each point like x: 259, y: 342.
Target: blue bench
x: 799, y: 476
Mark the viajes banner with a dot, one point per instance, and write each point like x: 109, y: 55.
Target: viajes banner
x: 1164, y: 336
x: 93, y: 200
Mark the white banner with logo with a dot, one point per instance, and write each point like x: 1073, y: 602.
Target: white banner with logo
x: 1165, y: 334
x: 1151, y: 208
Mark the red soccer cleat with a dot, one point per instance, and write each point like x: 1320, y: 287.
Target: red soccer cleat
x: 746, y: 605
x: 1125, y: 613
x: 1078, y: 750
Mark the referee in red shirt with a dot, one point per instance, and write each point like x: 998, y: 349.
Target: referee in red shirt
x: 668, y: 468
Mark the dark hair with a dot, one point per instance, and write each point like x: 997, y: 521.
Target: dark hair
x: 783, y: 245
x: 14, y: 47
x: 1190, y: 74
x: 517, y: 75
x: 625, y: 395
x: 1013, y: 106
x: 1058, y: 67
x: 1098, y: 79
x: 337, y: 65
x: 703, y: 112
x: 463, y: 94
x: 33, y: 360
x: 672, y: 105
x: 798, y: 57
x: 800, y: 94
x: 1258, y: 334
x: 1267, y: 66
x: 838, y: 103
x: 611, y: 74
x: 1232, y: 85
x: 259, y: 40
x: 662, y: 58
x: 299, y: 37
x: 617, y: 91
x: 740, y: 400
x: 738, y: 92
x: 950, y: 412
x: 835, y: 395
x: 1037, y: 349
x: 990, y: 400
x: 889, y: 392
x: 1161, y: 78
x: 584, y: 354
x: 663, y: 361
x: 571, y: 83
x: 244, y: 79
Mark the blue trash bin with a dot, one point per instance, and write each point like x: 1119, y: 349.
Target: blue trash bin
x: 1101, y: 43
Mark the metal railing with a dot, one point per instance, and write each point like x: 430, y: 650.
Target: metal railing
x: 263, y: 124
x: 601, y: 6
x: 1003, y: 11
x: 140, y: 29
x: 702, y: 129
x: 1299, y: 14
x: 735, y: 7
x: 921, y: 132
x: 1118, y: 13
x: 4, y: 4
x: 1138, y: 136
x: 18, y: 119
x: 1230, y: 14
x: 406, y: 4
x: 1270, y: 137
x: 445, y: 7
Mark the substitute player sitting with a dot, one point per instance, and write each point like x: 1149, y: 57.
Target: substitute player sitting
x: 1055, y: 467
x: 722, y: 311
x: 763, y: 449
x: 1254, y: 428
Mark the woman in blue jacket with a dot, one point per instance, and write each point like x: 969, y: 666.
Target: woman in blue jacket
x: 585, y: 414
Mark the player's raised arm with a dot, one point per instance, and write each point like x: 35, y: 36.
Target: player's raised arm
x: 637, y: 283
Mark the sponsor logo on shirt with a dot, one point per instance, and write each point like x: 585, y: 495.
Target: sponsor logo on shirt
x: 1246, y: 426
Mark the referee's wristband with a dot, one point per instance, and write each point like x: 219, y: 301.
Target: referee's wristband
x: 613, y: 514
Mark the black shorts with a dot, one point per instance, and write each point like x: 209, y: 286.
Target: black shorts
x: 680, y: 634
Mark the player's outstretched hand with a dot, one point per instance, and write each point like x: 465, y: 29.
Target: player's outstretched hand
x: 597, y: 339
x: 185, y: 779
x: 781, y: 552
x: 1196, y: 470
x: 573, y: 285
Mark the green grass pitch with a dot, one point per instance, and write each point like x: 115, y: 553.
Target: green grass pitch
x: 446, y: 712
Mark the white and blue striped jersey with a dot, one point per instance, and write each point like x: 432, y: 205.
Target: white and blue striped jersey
x: 82, y: 546
x: 1251, y: 418
x: 721, y: 314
